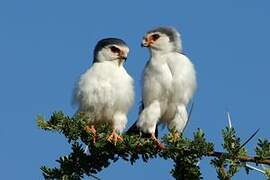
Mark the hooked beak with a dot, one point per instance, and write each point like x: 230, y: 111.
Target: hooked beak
x: 147, y: 42
x: 143, y: 44
x: 121, y: 61
x: 122, y: 57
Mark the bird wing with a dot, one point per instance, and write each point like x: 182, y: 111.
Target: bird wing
x: 184, y: 78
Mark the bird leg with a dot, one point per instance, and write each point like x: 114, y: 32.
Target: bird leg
x: 157, y: 142
x: 93, y: 131
x: 114, y: 137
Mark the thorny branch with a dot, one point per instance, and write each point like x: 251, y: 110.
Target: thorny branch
x: 185, y: 152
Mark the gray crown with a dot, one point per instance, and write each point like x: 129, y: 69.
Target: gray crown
x: 105, y: 42
x: 173, y: 35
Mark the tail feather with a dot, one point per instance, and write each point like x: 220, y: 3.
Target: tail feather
x: 134, y: 129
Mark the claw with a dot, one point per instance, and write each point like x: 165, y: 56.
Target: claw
x: 93, y: 131
x: 175, y: 136
x: 157, y: 142
x: 114, y: 138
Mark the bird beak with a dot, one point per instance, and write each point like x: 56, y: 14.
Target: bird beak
x: 122, y: 57
x: 143, y: 44
x: 147, y: 42
x: 121, y: 60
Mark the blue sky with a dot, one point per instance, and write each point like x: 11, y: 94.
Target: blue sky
x: 46, y: 45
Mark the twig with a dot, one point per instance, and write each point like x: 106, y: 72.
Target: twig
x: 241, y: 158
x: 230, y: 126
x: 223, y: 172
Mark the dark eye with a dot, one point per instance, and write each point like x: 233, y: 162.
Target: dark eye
x: 155, y: 36
x: 114, y: 49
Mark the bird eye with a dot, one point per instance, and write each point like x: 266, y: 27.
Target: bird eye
x: 155, y: 36
x: 114, y: 49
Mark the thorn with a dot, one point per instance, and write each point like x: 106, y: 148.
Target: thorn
x: 86, y: 150
x: 254, y: 168
x: 229, y: 119
x: 189, y: 115
x: 95, y: 177
x: 252, y: 136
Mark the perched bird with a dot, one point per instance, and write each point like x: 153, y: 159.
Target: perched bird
x: 169, y: 82
x: 105, y: 91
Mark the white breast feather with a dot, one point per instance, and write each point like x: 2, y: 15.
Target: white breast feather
x: 169, y: 83
x: 105, y: 94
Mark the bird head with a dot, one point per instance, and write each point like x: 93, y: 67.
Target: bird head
x: 111, y: 49
x: 165, y: 39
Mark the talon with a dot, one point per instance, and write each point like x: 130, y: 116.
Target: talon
x: 175, y: 135
x: 114, y: 138
x: 93, y: 131
x: 157, y: 142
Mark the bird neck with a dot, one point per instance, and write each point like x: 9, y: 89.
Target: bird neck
x: 158, y: 52
x: 116, y: 63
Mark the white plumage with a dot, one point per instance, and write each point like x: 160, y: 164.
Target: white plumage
x: 105, y: 91
x: 169, y: 82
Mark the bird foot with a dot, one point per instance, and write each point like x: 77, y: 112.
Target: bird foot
x: 93, y: 131
x: 114, y: 138
x: 157, y: 142
x: 175, y: 136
